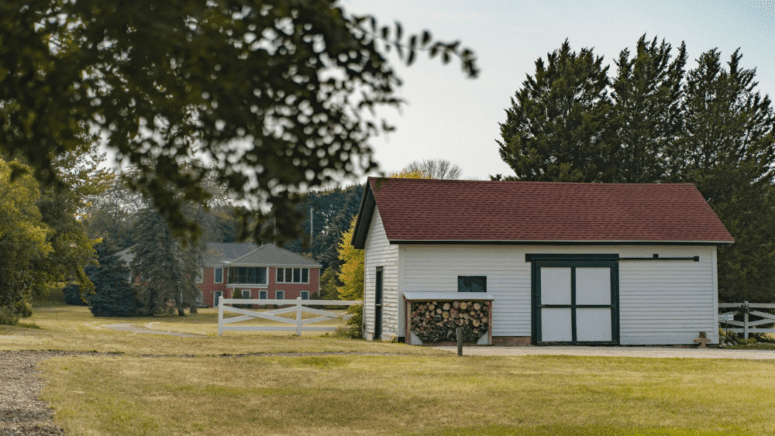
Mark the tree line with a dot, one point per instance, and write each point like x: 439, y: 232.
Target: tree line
x: 655, y: 120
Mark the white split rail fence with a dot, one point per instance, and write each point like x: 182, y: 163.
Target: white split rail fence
x: 298, y: 306
x: 747, y: 325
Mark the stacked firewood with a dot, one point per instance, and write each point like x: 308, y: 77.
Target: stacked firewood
x: 437, y: 321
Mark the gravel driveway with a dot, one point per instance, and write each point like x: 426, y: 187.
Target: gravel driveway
x: 656, y: 352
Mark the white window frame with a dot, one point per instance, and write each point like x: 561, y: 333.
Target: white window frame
x: 243, y: 294
x: 302, y: 295
x: 276, y: 293
x: 215, y: 298
x: 277, y: 275
x: 200, y: 275
x: 265, y: 294
x: 215, y: 274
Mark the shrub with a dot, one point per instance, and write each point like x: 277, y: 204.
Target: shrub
x: 355, y: 323
x: 8, y: 315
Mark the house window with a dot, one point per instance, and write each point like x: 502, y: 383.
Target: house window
x: 292, y: 275
x: 262, y: 295
x: 218, y: 278
x: 279, y: 295
x: 247, y: 275
x: 200, y: 273
x: 305, y: 295
x: 217, y: 295
x: 472, y: 283
x: 246, y: 294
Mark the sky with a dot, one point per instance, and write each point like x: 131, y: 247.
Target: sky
x: 448, y: 116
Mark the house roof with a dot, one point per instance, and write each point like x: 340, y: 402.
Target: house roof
x: 218, y: 253
x: 272, y: 255
x: 455, y: 211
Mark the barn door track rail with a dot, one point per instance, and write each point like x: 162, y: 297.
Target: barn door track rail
x: 297, y: 306
x: 747, y: 325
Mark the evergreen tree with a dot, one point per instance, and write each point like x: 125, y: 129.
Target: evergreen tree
x: 708, y: 126
x: 114, y: 294
x: 728, y: 151
x: 166, y: 269
x: 647, y: 111
x: 557, y: 128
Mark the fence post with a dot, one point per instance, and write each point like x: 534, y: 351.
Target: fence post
x: 745, y: 325
x: 220, y: 316
x: 298, y: 316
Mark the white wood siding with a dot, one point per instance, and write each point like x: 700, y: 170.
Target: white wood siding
x: 660, y: 302
x: 378, y: 253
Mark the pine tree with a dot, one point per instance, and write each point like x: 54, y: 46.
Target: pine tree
x: 114, y: 294
x: 166, y: 269
x: 708, y: 126
x: 557, y: 127
x: 647, y: 111
x: 728, y: 152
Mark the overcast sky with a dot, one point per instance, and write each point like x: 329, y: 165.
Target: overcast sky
x: 451, y: 117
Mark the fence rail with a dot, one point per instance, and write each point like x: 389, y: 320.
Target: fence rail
x: 298, y: 306
x: 747, y: 325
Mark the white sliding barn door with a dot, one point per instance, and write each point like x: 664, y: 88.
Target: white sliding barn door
x: 576, y: 302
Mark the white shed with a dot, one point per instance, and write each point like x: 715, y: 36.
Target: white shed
x: 562, y: 263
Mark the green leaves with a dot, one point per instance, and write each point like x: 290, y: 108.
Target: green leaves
x: 272, y: 96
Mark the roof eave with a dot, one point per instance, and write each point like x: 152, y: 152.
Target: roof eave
x: 554, y: 242
x: 363, y: 220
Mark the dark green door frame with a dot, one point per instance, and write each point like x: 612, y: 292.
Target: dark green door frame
x: 573, y: 261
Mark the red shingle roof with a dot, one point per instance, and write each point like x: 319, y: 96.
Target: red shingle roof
x: 453, y: 210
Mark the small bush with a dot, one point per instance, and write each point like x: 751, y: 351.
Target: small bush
x: 8, y: 315
x: 355, y: 323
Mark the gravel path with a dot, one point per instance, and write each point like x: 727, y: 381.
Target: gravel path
x: 21, y: 412
x: 134, y: 329
x: 656, y: 352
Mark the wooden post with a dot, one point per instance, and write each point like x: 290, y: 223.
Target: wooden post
x: 459, y: 332
x: 745, y: 325
x: 298, y: 316
x: 220, y: 316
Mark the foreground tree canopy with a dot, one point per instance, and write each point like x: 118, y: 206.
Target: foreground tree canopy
x: 272, y: 96
x: 654, y: 121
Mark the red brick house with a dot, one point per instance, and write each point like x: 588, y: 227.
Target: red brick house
x: 249, y: 271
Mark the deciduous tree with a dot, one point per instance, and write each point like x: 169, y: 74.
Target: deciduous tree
x: 275, y: 95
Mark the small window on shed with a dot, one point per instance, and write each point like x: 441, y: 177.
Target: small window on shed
x: 472, y: 283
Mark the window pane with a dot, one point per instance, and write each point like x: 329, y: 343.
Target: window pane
x: 305, y: 275
x: 262, y: 295
x: 261, y: 274
x: 296, y: 275
x: 304, y: 295
x: 243, y: 275
x: 288, y: 275
x: 246, y: 293
x: 472, y: 283
x: 280, y: 295
x: 280, y: 275
x: 218, y: 275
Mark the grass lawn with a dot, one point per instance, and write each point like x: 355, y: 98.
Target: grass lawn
x: 412, y: 391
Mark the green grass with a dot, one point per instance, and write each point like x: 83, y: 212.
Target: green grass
x: 411, y: 395
x: 415, y: 391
